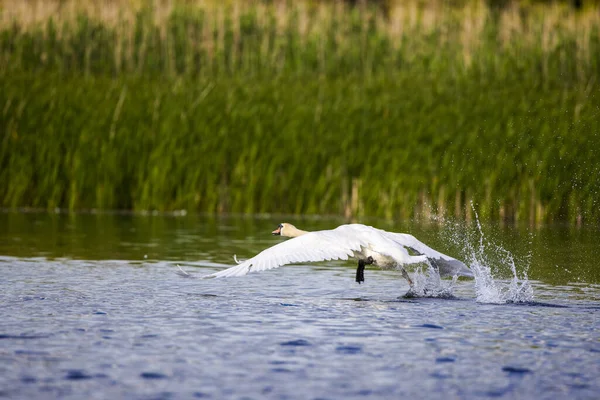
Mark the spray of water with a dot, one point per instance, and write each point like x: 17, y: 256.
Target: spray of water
x: 427, y: 282
x: 487, y: 259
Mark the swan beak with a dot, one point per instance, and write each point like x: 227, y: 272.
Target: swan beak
x: 277, y: 231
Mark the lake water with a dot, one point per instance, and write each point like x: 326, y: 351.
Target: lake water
x: 91, y: 306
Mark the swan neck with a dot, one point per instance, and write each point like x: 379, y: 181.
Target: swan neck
x: 293, y: 232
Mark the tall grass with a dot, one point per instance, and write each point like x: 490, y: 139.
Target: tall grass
x: 301, y: 108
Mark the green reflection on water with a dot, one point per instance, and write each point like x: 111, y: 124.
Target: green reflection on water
x: 553, y: 254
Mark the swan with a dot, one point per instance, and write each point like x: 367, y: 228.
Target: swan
x: 371, y: 246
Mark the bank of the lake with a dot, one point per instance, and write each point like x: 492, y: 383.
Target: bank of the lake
x: 303, y: 109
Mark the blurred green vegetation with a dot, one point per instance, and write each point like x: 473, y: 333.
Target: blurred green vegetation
x: 304, y: 108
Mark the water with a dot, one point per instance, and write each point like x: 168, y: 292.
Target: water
x: 92, y: 307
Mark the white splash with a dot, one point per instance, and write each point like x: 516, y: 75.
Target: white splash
x: 429, y: 283
x: 487, y: 259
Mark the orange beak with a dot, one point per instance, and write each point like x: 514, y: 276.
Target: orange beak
x: 277, y: 231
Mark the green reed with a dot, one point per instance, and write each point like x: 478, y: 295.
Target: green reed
x: 304, y: 109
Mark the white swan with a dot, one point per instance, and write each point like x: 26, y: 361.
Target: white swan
x: 369, y: 245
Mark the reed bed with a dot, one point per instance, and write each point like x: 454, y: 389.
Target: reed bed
x: 285, y: 107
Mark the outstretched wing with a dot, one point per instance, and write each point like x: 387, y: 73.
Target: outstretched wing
x: 336, y: 244
x: 446, y: 265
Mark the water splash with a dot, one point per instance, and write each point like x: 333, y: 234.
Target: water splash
x: 487, y: 260
x: 427, y: 282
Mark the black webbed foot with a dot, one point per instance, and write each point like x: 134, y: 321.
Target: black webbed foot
x: 360, y: 271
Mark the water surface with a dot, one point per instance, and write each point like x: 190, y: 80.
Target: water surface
x: 92, y: 307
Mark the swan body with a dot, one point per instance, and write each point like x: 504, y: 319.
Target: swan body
x: 369, y: 245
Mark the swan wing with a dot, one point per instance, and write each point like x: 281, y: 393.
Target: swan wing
x: 447, y: 266
x: 380, y: 242
x: 336, y: 244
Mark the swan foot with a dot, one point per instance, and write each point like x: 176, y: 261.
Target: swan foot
x: 407, y: 277
x: 360, y: 271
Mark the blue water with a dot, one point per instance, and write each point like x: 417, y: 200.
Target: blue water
x: 74, y: 328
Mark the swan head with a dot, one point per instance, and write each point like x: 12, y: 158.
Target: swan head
x: 287, y: 230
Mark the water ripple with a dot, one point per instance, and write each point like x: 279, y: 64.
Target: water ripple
x: 140, y: 331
